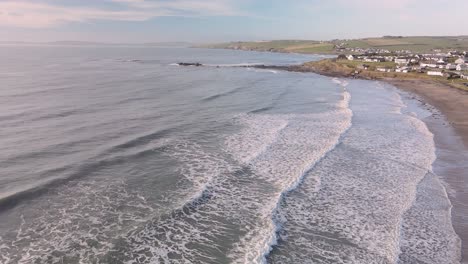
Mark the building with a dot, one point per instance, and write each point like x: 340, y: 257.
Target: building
x: 403, y: 69
x: 435, y: 73
x: 451, y: 67
x: 441, y: 64
x: 462, y: 67
x: 428, y: 64
x: 383, y: 69
x: 350, y: 57
x: 402, y: 60
x: 461, y: 60
x: 374, y: 59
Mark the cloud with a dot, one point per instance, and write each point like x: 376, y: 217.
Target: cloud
x: 39, y: 14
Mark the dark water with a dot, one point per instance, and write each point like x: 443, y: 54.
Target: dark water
x: 116, y: 155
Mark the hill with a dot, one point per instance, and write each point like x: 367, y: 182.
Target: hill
x: 422, y: 44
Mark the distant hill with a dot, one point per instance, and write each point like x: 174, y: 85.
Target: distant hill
x: 415, y: 44
x: 420, y: 44
x: 297, y: 46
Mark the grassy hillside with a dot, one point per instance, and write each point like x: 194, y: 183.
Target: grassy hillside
x: 414, y: 44
x: 297, y: 46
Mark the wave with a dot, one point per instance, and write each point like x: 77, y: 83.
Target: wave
x: 350, y: 205
x: 136, y: 149
x: 234, y: 65
x: 231, y: 194
x: 261, y: 110
x: 223, y: 94
x: 290, y: 149
x: 273, y: 240
x: 340, y: 82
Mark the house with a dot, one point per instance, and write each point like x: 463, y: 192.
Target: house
x: 462, y: 67
x: 428, y: 64
x: 403, y: 69
x: 378, y: 59
x: 461, y: 60
x: 374, y: 59
x: 435, y: 73
x: 441, y: 58
x: 441, y: 64
x: 402, y: 60
x: 464, y: 76
x: 350, y: 57
x: 383, y: 69
x: 451, y: 66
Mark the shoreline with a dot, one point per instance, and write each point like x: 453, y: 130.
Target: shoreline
x: 450, y: 129
x: 448, y: 123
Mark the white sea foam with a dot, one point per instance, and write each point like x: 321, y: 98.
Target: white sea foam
x: 89, y: 218
x: 245, y: 64
x: 340, y: 82
x: 271, y: 154
x: 284, y: 162
x: 366, y: 187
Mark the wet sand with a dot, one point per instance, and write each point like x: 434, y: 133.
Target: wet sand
x: 450, y: 129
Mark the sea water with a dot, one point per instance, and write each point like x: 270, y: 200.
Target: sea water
x: 118, y: 155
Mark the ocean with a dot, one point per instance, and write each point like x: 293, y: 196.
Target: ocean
x: 118, y: 155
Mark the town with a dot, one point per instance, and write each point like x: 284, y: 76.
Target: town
x: 450, y: 65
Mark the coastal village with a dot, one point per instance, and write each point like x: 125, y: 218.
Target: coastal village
x: 450, y: 65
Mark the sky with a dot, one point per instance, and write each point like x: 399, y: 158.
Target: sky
x: 204, y: 21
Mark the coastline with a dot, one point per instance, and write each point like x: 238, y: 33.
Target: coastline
x: 448, y: 123
x: 450, y: 129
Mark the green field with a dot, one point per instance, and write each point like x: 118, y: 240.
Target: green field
x: 373, y: 65
x: 297, y: 46
x: 414, y: 44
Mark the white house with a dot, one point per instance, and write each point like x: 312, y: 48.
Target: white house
x: 462, y: 67
x: 451, y: 67
x: 402, y: 70
x: 383, y: 69
x: 428, y: 64
x: 461, y: 61
x: 350, y: 57
x: 435, y: 73
x: 401, y: 60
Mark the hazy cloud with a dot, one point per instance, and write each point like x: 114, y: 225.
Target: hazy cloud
x: 37, y: 14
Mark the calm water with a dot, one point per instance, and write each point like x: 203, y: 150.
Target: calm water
x: 116, y: 155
